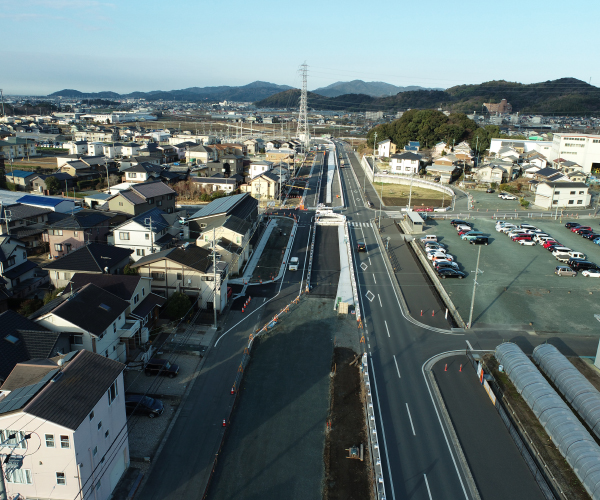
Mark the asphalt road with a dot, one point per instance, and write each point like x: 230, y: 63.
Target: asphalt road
x: 419, y: 463
x: 326, y: 263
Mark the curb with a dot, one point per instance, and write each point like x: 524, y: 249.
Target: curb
x: 449, y: 426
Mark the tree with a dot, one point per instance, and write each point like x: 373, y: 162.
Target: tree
x: 177, y: 305
x: 128, y: 270
x: 30, y: 306
x: 52, y: 295
x: 52, y: 185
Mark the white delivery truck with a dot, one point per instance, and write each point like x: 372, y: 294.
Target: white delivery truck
x: 293, y: 264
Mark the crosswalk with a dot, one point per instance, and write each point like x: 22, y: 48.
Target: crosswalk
x: 360, y: 224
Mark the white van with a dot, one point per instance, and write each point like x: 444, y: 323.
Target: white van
x: 293, y: 264
x: 428, y: 237
x: 561, y: 251
x: 577, y: 255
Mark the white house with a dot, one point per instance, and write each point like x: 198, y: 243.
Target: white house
x: 147, y: 233
x: 259, y: 167
x: 71, y: 410
x: 386, y: 148
x: 583, y: 149
x: 562, y: 194
x: 15, y: 268
x: 405, y: 163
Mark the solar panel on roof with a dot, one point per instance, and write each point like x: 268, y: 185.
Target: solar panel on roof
x: 218, y: 206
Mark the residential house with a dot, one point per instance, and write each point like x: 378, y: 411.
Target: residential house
x: 52, y: 203
x: 444, y: 172
x: 549, y: 174
x: 143, y: 304
x: 27, y: 223
x: 562, y: 194
x: 265, y: 186
x: 225, y: 149
x: 258, y: 167
x: 274, y: 144
x: 530, y: 170
x: 188, y: 269
x: 141, y: 172
x: 78, y: 229
x: 413, y: 146
x: 182, y: 148
x: 20, y: 178
x: 447, y: 160
x: 131, y: 161
x: 243, y: 206
x: 21, y: 274
x: 536, y: 158
x: 16, y: 147
x: 439, y: 149
x: 405, y: 163
x: 281, y: 154
x: 22, y: 339
x: 253, y: 146
x: 235, y: 163
x: 140, y: 198
x: 147, y: 233
x: 227, y: 185
x: 490, y: 173
x: 508, y: 153
x: 577, y: 176
x: 232, y: 236
x: 94, y: 258
x: 386, y: 148
x: 282, y: 171
x: 130, y: 149
x: 76, y: 405
x: 66, y: 182
x: 201, y: 154
x: 101, y: 135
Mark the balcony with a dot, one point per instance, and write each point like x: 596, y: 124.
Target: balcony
x: 129, y: 329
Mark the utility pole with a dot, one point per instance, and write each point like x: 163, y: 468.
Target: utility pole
x: 148, y: 222
x: 2, y: 96
x: 474, y: 288
x: 412, y: 176
x: 303, y: 130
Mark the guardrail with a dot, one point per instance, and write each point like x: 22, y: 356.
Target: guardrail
x: 312, y: 252
x: 379, y: 485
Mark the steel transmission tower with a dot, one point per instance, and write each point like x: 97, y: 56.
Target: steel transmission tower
x: 303, y: 131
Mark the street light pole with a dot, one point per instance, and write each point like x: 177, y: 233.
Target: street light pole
x: 474, y: 288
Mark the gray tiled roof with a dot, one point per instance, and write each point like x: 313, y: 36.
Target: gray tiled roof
x: 151, y: 189
x: 220, y: 205
x: 93, y: 258
x: 120, y: 285
x: 194, y: 257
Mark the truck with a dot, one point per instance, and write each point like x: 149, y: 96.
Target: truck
x: 293, y: 264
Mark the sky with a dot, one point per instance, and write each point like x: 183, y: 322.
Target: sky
x: 134, y: 45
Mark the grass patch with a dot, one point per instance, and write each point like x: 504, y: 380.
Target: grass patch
x: 398, y: 194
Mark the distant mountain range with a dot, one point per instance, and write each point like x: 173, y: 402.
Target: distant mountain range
x: 373, y: 89
x: 248, y: 93
x: 562, y: 97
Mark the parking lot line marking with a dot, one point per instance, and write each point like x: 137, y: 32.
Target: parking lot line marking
x: 397, y: 369
x: 386, y: 327
x: 379, y: 300
x: 427, y: 484
x: 469, y: 344
x: 411, y: 425
x: 374, y: 279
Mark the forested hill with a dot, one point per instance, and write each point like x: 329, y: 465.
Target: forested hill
x: 563, y: 96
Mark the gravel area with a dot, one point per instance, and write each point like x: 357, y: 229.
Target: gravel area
x: 138, y: 383
x: 145, y: 434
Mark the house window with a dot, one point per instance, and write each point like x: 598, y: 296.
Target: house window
x: 60, y: 478
x: 140, y: 252
x: 25, y: 253
x: 136, y: 299
x: 106, y: 434
x: 150, y: 201
x: 572, y: 192
x: 75, y: 234
x: 98, y: 484
x: 555, y: 202
x: 64, y: 442
x: 19, y: 476
x: 113, y: 392
x: 123, y: 236
x: 132, y: 175
x: 159, y: 203
x: 571, y: 202
x: 580, y: 202
x: 158, y: 276
x: 581, y: 192
x: 179, y: 276
x: 91, y: 415
x: 95, y: 451
x: 120, y: 203
x: 147, y: 235
x: 57, y: 232
x: 100, y: 425
x: 49, y: 440
x: 114, y: 328
x: 78, y: 339
x: 143, y: 292
x: 11, y: 261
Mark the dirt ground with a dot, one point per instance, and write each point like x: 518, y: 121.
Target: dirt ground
x: 396, y: 195
x: 346, y: 478
x: 270, y: 260
x: 557, y: 465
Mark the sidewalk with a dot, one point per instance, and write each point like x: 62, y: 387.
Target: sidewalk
x: 419, y: 293
x: 344, y: 290
x: 255, y: 255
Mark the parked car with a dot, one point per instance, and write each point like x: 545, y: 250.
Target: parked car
x: 451, y: 273
x: 505, y: 196
x: 554, y: 246
x: 370, y: 204
x: 479, y: 240
x: 440, y: 256
x: 445, y: 265
x: 143, y: 405
x: 463, y: 227
x: 549, y: 243
x: 472, y: 235
x: 591, y: 273
x: 518, y: 232
x: 571, y: 225
x: 580, y: 228
x: 581, y: 265
x: 577, y: 255
x: 507, y: 229
x: 361, y: 246
x: 519, y: 237
x: 163, y: 367
x: 433, y: 246
x: 456, y: 222
x: 528, y: 226
x: 528, y: 243
x: 597, y: 241
x: 565, y: 271
x: 560, y: 250
x: 490, y: 190
x: 591, y: 236
x: 429, y: 237
x: 430, y: 251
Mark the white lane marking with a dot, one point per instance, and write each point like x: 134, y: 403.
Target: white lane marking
x: 397, y: 369
x: 370, y: 295
x: 411, y: 424
x: 386, y: 327
x: 374, y: 279
x: 427, y: 484
x: 469, y: 344
x: 363, y: 266
x: 380, y: 304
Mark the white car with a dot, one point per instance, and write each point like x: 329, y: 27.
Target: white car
x: 527, y: 243
x: 441, y: 255
x: 505, y: 196
x: 508, y: 229
x: 463, y: 228
x: 435, y: 250
x: 293, y: 264
x: 591, y: 273
x: 516, y: 232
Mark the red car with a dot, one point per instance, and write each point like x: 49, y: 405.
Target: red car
x: 519, y: 237
x: 229, y: 292
x: 460, y: 233
x: 549, y: 243
x: 580, y: 228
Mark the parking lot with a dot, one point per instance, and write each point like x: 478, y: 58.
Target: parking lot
x: 518, y: 285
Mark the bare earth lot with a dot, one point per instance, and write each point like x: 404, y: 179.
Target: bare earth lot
x: 396, y: 195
